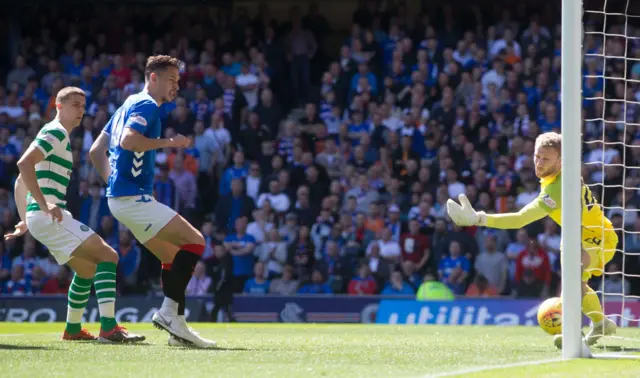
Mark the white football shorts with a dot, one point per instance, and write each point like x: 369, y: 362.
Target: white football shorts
x: 60, y: 238
x: 142, y: 215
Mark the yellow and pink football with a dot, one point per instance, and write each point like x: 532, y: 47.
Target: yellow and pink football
x: 550, y: 316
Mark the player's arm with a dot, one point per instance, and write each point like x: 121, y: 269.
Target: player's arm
x: 528, y: 214
x: 133, y: 138
x: 98, y: 154
x: 20, y: 196
x: 27, y: 167
x: 465, y: 215
x: 41, y: 147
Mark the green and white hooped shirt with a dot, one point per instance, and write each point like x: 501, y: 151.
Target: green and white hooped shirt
x: 54, y: 172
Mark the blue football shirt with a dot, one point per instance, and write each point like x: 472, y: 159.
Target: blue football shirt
x: 132, y: 172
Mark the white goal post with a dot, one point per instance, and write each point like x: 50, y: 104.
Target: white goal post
x: 571, y: 121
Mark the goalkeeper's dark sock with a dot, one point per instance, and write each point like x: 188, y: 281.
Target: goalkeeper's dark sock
x: 105, y: 284
x: 78, y: 297
x: 182, y: 269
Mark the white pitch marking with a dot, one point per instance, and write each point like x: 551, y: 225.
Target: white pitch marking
x: 492, y: 367
x: 29, y: 334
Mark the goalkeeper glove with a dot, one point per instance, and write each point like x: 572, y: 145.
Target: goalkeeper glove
x: 465, y: 215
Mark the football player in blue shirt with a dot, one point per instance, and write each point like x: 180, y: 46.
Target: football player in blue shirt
x: 132, y: 137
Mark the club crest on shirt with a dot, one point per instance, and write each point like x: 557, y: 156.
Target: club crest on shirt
x: 137, y: 118
x: 548, y: 201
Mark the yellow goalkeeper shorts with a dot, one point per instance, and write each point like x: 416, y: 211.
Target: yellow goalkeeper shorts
x: 601, y: 252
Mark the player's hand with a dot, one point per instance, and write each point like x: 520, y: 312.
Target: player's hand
x: 54, y: 212
x: 20, y: 229
x: 465, y: 215
x: 180, y: 141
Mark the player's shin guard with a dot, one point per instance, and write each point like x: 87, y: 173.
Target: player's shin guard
x: 591, y: 306
x: 182, y: 269
x: 78, y: 296
x: 105, y: 284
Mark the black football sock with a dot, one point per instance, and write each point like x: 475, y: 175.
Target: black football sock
x: 182, y: 269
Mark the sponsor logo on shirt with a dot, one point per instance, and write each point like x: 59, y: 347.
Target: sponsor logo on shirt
x: 549, y: 201
x: 137, y: 118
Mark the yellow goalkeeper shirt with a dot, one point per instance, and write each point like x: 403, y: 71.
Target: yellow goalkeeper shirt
x: 549, y: 202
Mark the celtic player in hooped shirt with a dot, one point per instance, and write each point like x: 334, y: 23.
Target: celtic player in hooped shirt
x: 45, y: 171
x: 599, y: 239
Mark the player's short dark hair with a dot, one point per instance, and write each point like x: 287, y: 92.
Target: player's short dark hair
x: 160, y: 63
x: 550, y: 140
x: 66, y: 93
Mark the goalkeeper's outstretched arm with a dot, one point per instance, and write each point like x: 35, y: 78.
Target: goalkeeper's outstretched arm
x: 463, y: 214
x: 528, y: 214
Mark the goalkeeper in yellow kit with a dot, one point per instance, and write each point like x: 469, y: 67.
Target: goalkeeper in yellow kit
x: 599, y: 239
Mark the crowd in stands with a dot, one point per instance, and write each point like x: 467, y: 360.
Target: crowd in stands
x: 323, y: 168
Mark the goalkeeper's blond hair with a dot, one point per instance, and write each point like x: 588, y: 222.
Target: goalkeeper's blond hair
x: 550, y: 140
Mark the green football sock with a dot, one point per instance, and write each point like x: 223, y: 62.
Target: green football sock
x: 105, y: 284
x: 77, y: 300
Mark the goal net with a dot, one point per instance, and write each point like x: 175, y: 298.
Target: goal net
x: 610, y: 152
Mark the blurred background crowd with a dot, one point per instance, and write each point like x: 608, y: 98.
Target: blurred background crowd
x: 322, y: 158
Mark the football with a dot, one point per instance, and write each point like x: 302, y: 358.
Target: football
x: 550, y: 316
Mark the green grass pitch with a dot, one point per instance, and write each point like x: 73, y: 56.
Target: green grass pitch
x: 308, y: 350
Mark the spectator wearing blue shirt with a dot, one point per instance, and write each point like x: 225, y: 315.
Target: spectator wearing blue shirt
x: 363, y: 71
x: 316, y: 286
x: 238, y: 170
x: 431, y: 146
x: 398, y: 75
x: 5, y: 267
x: 94, y: 207
x: 202, y: 107
x: 230, y: 67
x: 75, y: 66
x: 66, y: 59
x: 357, y: 128
x: 258, y: 284
x: 27, y: 260
x: 108, y: 231
x: 397, y: 286
x: 590, y: 87
x: 88, y: 84
x: 454, y: 269
x: 241, y: 246
x: 129, y: 263
x: 17, y: 285
x: 164, y: 189
x: 38, y: 280
x: 8, y: 157
x: 389, y: 45
x: 550, y: 121
x: 231, y: 207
